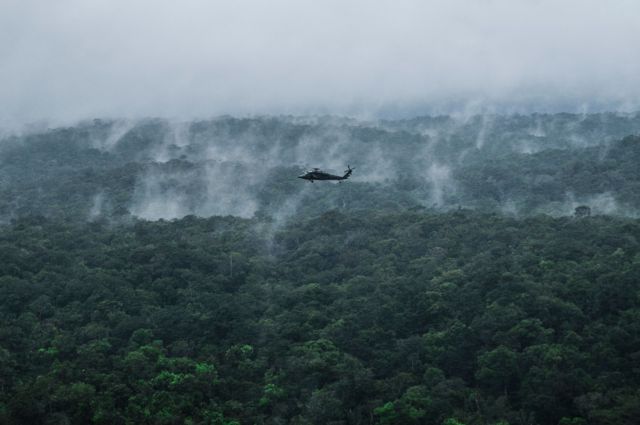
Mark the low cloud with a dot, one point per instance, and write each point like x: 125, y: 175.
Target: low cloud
x: 71, y: 59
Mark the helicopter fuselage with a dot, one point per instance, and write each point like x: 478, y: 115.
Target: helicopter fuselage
x: 317, y: 174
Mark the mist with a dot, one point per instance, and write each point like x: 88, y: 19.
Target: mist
x: 71, y: 60
x: 516, y: 164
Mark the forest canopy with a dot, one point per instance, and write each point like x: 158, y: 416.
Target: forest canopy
x: 142, y: 281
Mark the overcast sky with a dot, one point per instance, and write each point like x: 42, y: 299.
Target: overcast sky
x: 76, y: 59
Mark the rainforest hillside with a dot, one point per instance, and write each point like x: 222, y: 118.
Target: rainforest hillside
x: 400, y: 318
x: 477, y: 270
x: 519, y: 165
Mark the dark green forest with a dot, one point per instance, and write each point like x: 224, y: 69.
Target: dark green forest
x: 154, y: 273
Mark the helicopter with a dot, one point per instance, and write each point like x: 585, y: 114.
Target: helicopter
x: 317, y: 174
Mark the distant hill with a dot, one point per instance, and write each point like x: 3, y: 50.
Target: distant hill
x: 154, y: 168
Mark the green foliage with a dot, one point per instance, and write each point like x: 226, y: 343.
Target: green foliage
x: 372, y: 312
x: 304, y: 344
x: 386, y: 414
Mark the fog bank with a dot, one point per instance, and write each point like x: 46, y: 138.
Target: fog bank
x: 71, y: 59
